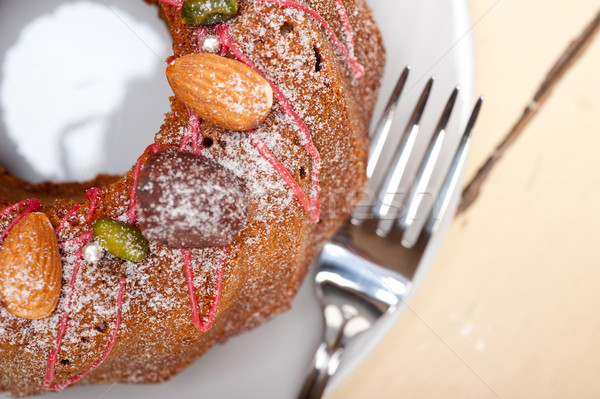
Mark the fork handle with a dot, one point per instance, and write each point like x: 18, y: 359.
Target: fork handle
x: 324, y: 365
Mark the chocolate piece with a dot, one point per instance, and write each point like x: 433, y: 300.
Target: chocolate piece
x: 189, y: 201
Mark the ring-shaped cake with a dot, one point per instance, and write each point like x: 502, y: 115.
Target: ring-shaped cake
x: 210, y: 233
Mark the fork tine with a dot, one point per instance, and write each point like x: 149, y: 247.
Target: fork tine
x: 384, y: 124
x: 386, y: 209
x: 355, y: 285
x: 451, y: 180
x: 378, y: 141
x: 417, y: 208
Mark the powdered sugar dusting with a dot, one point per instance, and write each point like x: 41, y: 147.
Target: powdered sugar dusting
x: 190, y: 201
x: 31, y: 205
x: 314, y: 210
x: 347, y: 53
x: 206, y: 323
x: 141, y: 302
x: 267, y: 191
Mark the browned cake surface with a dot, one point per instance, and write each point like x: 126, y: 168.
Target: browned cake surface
x: 264, y: 266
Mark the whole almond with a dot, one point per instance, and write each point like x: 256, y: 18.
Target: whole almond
x: 221, y: 90
x: 30, y: 268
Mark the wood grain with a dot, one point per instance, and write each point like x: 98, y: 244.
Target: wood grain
x: 516, y: 44
x: 510, y: 307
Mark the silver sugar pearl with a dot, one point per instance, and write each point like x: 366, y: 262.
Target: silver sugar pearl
x: 211, y: 44
x: 93, y: 252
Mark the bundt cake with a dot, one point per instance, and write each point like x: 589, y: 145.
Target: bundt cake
x: 211, y: 232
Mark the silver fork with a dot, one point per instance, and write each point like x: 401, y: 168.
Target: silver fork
x: 356, y: 288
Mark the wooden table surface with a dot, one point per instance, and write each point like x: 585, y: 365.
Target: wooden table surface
x: 511, y: 308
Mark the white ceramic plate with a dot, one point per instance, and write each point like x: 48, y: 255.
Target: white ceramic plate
x: 433, y: 36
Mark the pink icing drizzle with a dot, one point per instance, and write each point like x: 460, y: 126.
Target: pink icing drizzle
x: 65, y: 219
x: 193, y: 129
x: 339, y: 5
x: 50, y: 375
x: 192, y: 133
x: 131, y: 215
x: 357, y: 69
x: 279, y: 168
x: 77, y: 241
x: 206, y: 323
x: 92, y: 195
x: 174, y: 3
x: 312, y: 205
x: 31, y: 205
x: 315, y: 205
x: 347, y: 51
